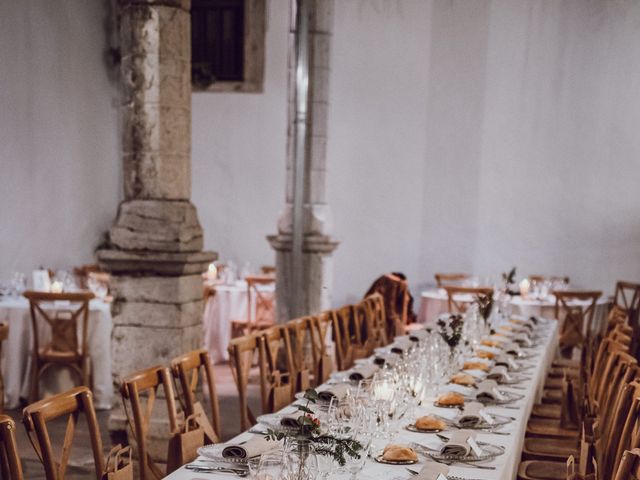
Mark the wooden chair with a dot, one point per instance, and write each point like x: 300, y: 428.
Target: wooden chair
x: 301, y: 339
x: 268, y: 270
x: 577, y: 319
x: 277, y: 370
x: 627, y: 299
x: 242, y: 351
x: 260, y: 307
x: 323, y: 361
x: 375, y: 312
x: 71, y: 404
x: 64, y: 349
x: 553, y: 278
x: 187, y: 370
x: 10, y: 465
x: 397, y: 302
x: 139, y: 390
x: 455, y: 304
x: 4, y: 334
x: 629, y: 468
x: 443, y: 279
x: 343, y: 336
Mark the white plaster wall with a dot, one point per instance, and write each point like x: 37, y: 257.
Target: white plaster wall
x: 238, y: 156
x: 59, y: 161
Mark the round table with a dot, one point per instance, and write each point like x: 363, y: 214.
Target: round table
x: 230, y: 302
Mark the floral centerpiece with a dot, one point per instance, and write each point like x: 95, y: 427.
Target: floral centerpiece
x: 450, y: 329
x: 485, y: 305
x: 309, y: 437
x: 509, y: 280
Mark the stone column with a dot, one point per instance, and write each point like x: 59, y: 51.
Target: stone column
x: 317, y: 245
x: 155, y: 253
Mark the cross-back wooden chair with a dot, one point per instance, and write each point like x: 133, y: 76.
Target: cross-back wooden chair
x: 457, y: 305
x: 397, y: 300
x: 10, y: 464
x: 277, y: 370
x: 627, y: 299
x: 343, y: 323
x: 140, y: 391
x: 629, y: 468
x: 443, y: 279
x: 71, y: 404
x: 242, y: 352
x: 301, y: 337
x: 190, y: 370
x: 321, y: 333
x: 552, y: 278
x: 69, y: 332
x: 375, y: 310
x: 260, y: 306
x: 577, y: 318
x: 4, y: 335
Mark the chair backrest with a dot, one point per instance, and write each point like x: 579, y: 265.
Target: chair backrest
x: 64, y: 323
x: 576, y: 309
x: 342, y: 322
x: 397, y: 299
x: 374, y: 303
x: 260, y: 303
x: 455, y: 304
x: 552, y: 278
x: 4, y: 334
x: 10, y: 465
x: 443, y: 279
x: 321, y: 332
x: 242, y: 351
x: 301, y: 338
x: 187, y: 370
x: 629, y: 468
x: 140, y: 390
x: 71, y: 404
x: 627, y: 296
x: 277, y: 370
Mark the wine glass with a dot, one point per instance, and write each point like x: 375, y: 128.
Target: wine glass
x: 355, y: 464
x: 270, y: 466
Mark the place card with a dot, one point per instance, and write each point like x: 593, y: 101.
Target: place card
x: 474, y: 446
x: 486, y: 417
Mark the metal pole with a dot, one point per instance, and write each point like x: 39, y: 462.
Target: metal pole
x: 296, y: 301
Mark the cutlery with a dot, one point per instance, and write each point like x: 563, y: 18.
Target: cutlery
x: 425, y: 450
x: 449, y: 477
x: 241, y: 472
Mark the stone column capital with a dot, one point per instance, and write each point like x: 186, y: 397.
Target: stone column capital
x: 322, y: 244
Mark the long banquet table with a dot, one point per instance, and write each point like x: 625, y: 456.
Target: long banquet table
x: 505, y: 465
x: 16, y: 361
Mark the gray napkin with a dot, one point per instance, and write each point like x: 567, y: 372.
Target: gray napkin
x: 361, y: 372
x: 499, y: 373
x: 253, y: 447
x: 488, y: 391
x: 457, y: 444
x: 339, y: 391
x: 470, y: 416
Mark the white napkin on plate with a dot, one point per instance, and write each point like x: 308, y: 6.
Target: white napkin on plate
x: 470, y: 416
x: 431, y: 471
x: 418, y: 335
x: 339, y: 391
x: 362, y: 372
x: 488, y: 390
x: 507, y: 361
x: 499, y: 373
x: 290, y: 420
x: 522, y: 339
x: 457, y: 444
x: 402, y: 346
x: 255, y: 446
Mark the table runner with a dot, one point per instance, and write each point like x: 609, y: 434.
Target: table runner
x: 506, y: 464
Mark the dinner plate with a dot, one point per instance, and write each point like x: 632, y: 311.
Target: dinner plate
x: 489, y: 451
x: 379, y: 459
x: 412, y: 428
x: 272, y: 421
x: 498, y: 421
x: 439, y: 405
x: 510, y: 397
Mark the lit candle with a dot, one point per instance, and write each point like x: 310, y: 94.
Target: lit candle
x: 56, y: 286
x: 212, y: 272
x: 524, y: 287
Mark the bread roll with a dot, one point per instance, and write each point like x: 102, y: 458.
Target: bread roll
x: 430, y: 422
x: 463, y: 379
x: 485, y: 354
x: 451, y: 398
x: 476, y: 366
x: 399, y: 453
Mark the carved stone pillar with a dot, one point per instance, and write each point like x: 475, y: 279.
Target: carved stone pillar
x: 312, y: 284
x: 155, y: 253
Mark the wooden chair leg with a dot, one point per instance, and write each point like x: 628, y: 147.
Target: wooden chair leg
x: 34, y: 393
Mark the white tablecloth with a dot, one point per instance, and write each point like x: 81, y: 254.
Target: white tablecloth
x: 229, y: 303
x: 506, y: 464
x: 16, y: 353
x: 434, y: 302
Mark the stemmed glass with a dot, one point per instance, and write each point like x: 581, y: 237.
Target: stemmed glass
x: 270, y: 466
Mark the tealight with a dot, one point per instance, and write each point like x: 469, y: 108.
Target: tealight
x: 56, y: 286
x: 524, y: 287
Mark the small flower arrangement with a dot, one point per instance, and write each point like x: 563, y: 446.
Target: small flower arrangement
x: 450, y: 329
x: 485, y: 305
x: 309, y: 430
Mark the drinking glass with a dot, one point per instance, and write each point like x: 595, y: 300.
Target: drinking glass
x: 18, y: 283
x: 355, y: 465
x: 270, y: 466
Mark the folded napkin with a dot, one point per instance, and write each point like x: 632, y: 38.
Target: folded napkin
x: 418, y: 335
x: 458, y: 443
x: 471, y: 415
x: 432, y: 471
x: 290, y: 421
x: 511, y: 348
x: 254, y: 447
x: 488, y: 391
x: 361, y: 372
x: 338, y: 391
x: 401, y: 346
x: 499, y: 374
x: 522, y: 339
x: 507, y: 361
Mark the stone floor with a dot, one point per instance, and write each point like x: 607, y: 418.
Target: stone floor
x: 81, y: 464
